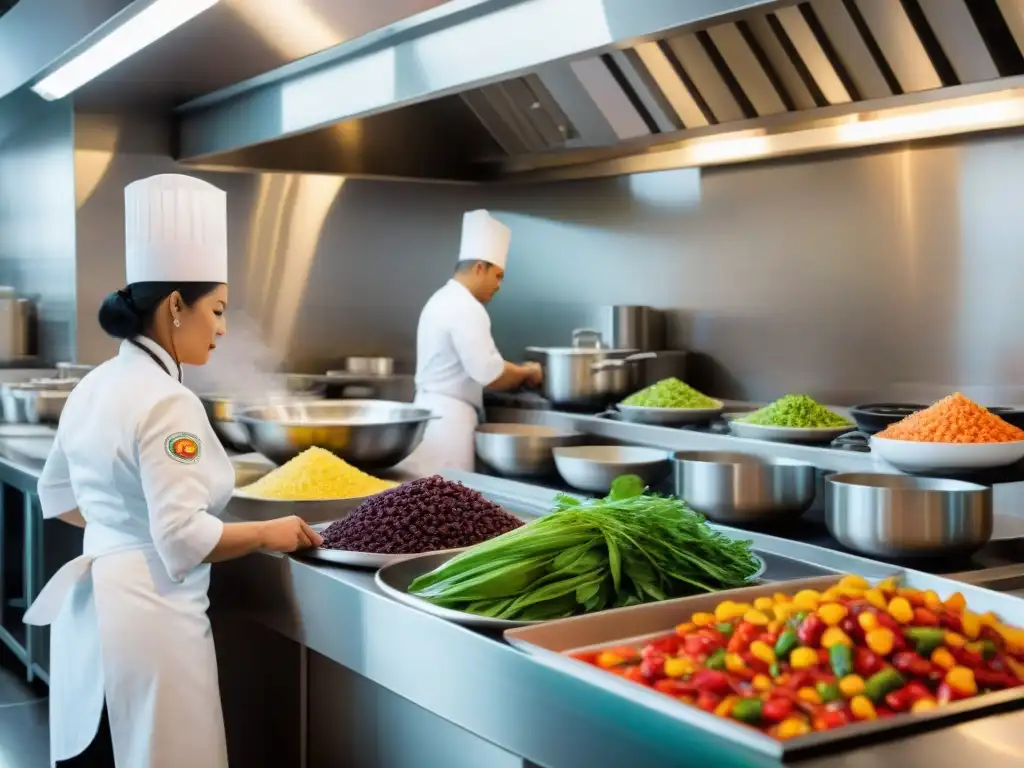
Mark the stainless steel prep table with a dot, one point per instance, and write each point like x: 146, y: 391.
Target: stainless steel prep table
x: 346, y: 675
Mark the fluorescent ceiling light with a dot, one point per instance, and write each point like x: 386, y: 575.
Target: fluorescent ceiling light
x: 132, y: 36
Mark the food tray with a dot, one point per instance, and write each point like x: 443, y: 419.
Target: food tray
x: 912, y: 456
x: 787, y: 434
x: 394, y: 581
x: 643, y: 414
x: 245, y: 507
x: 551, y: 641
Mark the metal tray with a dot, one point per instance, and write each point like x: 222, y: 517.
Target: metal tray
x: 245, y: 507
x: 394, y: 581
x: 367, y: 560
x: 550, y: 642
x: 787, y: 434
x: 668, y: 417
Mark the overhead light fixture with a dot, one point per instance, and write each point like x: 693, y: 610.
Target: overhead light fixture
x: 142, y: 29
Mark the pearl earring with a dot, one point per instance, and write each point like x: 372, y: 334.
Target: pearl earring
x: 177, y: 323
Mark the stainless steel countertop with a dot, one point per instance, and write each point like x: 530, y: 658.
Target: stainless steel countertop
x: 478, y: 682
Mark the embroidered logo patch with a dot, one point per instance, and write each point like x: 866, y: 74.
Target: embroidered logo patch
x: 183, y: 447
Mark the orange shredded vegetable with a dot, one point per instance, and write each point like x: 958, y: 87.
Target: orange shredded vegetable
x: 955, y: 419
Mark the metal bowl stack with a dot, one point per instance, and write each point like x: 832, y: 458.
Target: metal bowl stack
x: 369, y: 434
x: 521, y: 450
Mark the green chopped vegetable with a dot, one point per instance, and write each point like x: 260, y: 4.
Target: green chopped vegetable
x: 716, y: 660
x: 798, y: 411
x: 671, y: 393
x: 626, y: 549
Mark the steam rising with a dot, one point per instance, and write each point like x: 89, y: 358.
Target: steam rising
x: 243, y: 367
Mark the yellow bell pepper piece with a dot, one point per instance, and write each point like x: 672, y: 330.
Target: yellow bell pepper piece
x: 607, y: 660
x: 862, y: 708
x: 942, y: 658
x: 953, y: 640
x: 961, y: 679
x: 765, y: 604
x: 728, y: 610
x: 803, y: 658
x: 900, y: 609
x: 851, y: 685
x: 734, y: 662
x: 725, y: 708
x: 888, y: 586
x: 781, y: 597
x: 678, y: 667
x: 867, y: 621
x: 809, y: 695
x: 792, y: 727
x: 881, y: 640
x: 755, y: 617
x: 932, y: 601
x: 876, y: 599
x: 762, y: 652
x: 923, y: 705
x: 833, y: 613
x: 853, y: 581
x: 971, y: 624
x: 835, y: 636
x: 703, y: 619
x: 762, y: 683
x: 830, y: 595
x: 956, y: 602
x: 806, y: 600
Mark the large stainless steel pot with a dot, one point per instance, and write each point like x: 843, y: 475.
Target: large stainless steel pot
x: 741, y: 488
x: 900, y: 516
x: 370, y: 434
x: 582, y: 377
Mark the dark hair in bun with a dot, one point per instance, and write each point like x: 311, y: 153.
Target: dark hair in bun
x: 129, y: 312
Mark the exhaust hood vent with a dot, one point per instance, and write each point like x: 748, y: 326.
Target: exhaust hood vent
x: 763, y: 67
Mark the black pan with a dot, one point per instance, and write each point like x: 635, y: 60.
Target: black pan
x: 874, y: 417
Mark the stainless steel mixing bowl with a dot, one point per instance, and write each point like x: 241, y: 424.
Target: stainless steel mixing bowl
x: 370, y: 434
x: 221, y: 413
x: 742, y: 488
x: 521, y: 450
x: 900, y: 516
x: 594, y: 468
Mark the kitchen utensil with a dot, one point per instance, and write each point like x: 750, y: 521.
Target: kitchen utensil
x: 882, y: 515
x: 874, y: 417
x: 587, y: 338
x: 394, y: 580
x: 668, y: 416
x: 370, y: 434
x: 914, y: 456
x: 521, y: 450
x: 588, y: 377
x: 14, y: 398
x: 368, y: 366
x: 785, y: 434
x: 594, y: 468
x: 220, y: 411
x: 42, y: 406
x: 742, y: 488
x: 636, y: 327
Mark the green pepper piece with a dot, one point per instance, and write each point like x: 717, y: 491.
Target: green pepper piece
x: 725, y: 628
x: 925, y: 639
x: 797, y: 619
x: 747, y: 711
x: 787, y: 641
x: 840, y: 658
x: 774, y: 670
x: 988, y: 649
x: 881, y: 683
x: 716, y: 660
x: 828, y: 691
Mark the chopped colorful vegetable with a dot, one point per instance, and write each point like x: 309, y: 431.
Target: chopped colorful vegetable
x: 796, y: 411
x: 827, y: 665
x: 671, y: 393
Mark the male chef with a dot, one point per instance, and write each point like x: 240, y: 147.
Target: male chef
x: 456, y: 358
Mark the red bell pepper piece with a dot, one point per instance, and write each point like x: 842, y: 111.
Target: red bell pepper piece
x: 810, y: 631
x: 916, y: 690
x: 831, y: 718
x: 635, y: 674
x: 884, y: 712
x: 667, y: 645
x: 676, y: 688
x: 852, y: 629
x: 797, y: 680
x: 653, y: 667
x: 587, y: 657
x: 995, y: 681
x: 866, y: 662
x: 711, y: 680
x: 698, y: 646
x: 968, y: 658
x: 777, y: 709
x: 742, y: 637
x: 768, y: 638
x: 910, y: 663
x: 924, y: 618
x: 708, y: 701
x: 951, y: 621
x: 898, y: 701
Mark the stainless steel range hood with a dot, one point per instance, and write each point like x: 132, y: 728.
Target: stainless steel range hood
x: 478, y: 90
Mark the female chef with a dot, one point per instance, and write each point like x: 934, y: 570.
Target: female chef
x: 136, y: 463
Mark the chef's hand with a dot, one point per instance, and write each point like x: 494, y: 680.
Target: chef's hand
x: 534, y: 374
x: 287, y: 534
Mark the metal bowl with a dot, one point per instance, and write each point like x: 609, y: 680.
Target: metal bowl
x: 594, y: 468
x: 220, y: 412
x: 742, y: 488
x: 905, y: 517
x: 42, y: 406
x: 521, y: 450
x: 369, y: 434
x: 368, y: 366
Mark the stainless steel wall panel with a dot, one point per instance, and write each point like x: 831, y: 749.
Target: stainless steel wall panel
x: 705, y: 77
x: 900, y: 44
x: 780, y: 61
x: 852, y: 49
x: 813, y: 55
x: 960, y: 39
x: 671, y: 85
x: 747, y: 70
x: 610, y: 99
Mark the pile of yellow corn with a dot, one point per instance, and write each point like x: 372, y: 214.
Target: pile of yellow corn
x: 315, y: 475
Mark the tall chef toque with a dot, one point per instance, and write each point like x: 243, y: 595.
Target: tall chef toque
x: 484, y: 238
x: 176, y: 230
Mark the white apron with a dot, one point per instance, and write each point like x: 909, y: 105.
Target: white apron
x: 449, y: 441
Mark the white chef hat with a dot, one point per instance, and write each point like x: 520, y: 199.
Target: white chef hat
x: 176, y: 230
x: 484, y: 238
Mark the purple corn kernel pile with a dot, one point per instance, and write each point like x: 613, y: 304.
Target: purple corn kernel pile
x: 421, y: 516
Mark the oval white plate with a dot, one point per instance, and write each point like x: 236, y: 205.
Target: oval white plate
x: 788, y: 434
x: 368, y: 560
x: 644, y: 414
x: 914, y: 456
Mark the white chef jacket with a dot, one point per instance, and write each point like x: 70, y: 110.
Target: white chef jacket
x: 455, y: 359
x: 135, y: 453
